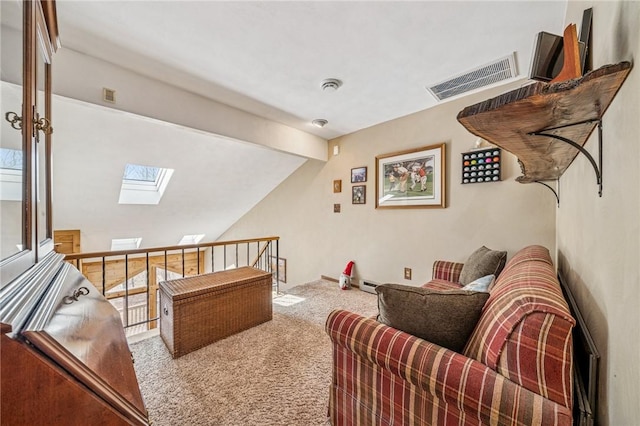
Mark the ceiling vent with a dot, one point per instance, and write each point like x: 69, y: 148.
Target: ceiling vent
x: 108, y: 95
x: 486, y: 75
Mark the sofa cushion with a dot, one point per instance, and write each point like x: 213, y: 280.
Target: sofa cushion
x: 481, y: 284
x: 446, y: 270
x: 437, y: 284
x: 445, y: 318
x: 482, y: 262
x: 526, y: 307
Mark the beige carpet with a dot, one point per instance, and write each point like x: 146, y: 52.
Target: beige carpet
x: 277, y: 373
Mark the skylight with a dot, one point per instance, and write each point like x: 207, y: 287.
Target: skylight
x: 141, y: 173
x: 118, y: 244
x: 10, y: 159
x: 191, y: 239
x: 143, y: 184
x: 11, y: 163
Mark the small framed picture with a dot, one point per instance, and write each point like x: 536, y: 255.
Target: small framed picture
x: 359, y: 174
x: 337, y: 185
x: 336, y: 208
x: 359, y: 194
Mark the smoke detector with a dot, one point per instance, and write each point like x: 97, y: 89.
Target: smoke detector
x: 331, y: 84
x: 319, y: 122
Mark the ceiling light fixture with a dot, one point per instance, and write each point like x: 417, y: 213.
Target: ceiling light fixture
x: 331, y: 84
x: 319, y: 122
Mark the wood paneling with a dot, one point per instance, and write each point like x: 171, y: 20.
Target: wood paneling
x: 67, y: 241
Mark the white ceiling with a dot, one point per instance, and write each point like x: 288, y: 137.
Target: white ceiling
x: 269, y: 57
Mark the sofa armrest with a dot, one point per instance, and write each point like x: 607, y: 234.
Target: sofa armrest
x: 451, y: 377
x: 448, y: 271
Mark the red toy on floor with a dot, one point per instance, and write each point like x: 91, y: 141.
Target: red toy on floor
x: 345, y: 276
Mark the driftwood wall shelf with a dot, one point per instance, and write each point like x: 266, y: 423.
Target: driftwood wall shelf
x: 547, y: 124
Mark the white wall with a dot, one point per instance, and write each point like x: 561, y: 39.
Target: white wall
x: 315, y: 241
x: 598, y: 239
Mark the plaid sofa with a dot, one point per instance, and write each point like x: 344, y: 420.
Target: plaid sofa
x: 514, y: 370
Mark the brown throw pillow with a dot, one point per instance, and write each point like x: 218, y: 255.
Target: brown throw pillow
x: 482, y: 262
x: 446, y: 318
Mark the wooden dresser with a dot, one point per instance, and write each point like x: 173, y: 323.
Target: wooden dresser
x: 64, y: 354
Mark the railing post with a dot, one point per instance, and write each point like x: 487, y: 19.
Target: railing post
x: 148, y: 287
x: 153, y: 298
x: 125, y: 304
x: 165, y: 265
x: 182, y: 263
x: 104, y: 278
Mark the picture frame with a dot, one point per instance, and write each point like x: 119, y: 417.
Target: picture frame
x: 337, y: 185
x: 359, y: 194
x: 281, y: 268
x: 358, y: 174
x: 413, y: 178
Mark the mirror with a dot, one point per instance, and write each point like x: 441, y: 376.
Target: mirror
x: 12, y: 205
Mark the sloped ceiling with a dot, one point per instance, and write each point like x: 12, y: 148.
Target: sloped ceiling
x: 215, y: 182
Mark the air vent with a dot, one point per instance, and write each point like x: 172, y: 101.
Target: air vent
x: 486, y: 75
x: 108, y: 95
x: 368, y: 286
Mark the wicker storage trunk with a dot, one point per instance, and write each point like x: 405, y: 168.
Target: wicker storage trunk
x: 200, y: 310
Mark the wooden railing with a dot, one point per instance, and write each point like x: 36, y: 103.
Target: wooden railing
x: 129, y: 278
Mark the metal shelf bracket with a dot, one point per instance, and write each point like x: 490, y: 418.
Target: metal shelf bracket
x: 556, y: 193
x: 596, y: 167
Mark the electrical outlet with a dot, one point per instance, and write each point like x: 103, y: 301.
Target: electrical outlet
x: 407, y: 273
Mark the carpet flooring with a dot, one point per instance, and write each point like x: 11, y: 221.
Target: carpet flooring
x: 277, y: 373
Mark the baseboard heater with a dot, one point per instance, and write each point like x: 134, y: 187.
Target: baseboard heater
x: 585, y: 363
x: 368, y: 286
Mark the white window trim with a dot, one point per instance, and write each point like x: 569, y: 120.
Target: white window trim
x: 118, y: 244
